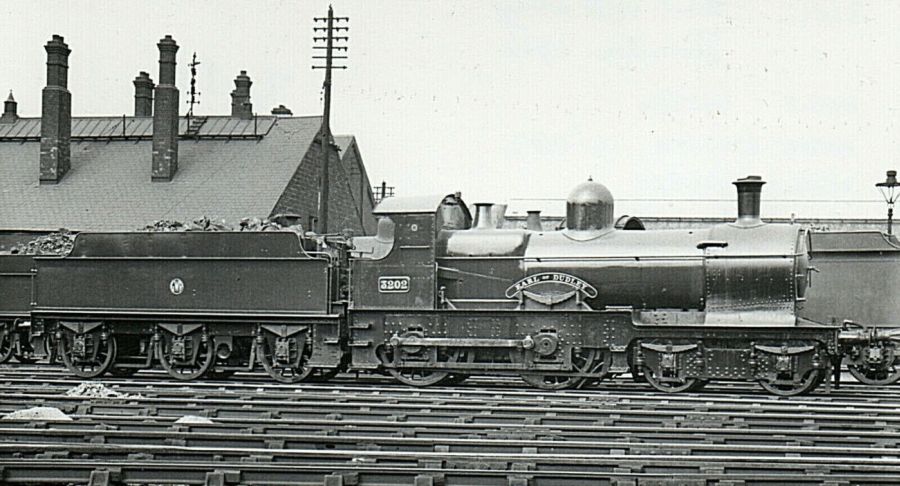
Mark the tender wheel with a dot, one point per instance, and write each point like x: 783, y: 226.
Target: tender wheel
x: 6, y: 343
x: 285, y: 358
x: 87, y: 355
x: 585, y: 361
x: 22, y: 351
x: 184, y: 357
x: 786, y: 387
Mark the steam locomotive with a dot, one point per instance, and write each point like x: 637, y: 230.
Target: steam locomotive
x: 434, y: 297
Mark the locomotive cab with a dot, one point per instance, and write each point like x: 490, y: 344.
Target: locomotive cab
x: 396, y: 269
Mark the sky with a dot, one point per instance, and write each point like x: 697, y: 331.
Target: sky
x: 515, y: 100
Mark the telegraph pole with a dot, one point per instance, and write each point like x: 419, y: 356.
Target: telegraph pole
x: 325, y: 137
x: 193, y: 92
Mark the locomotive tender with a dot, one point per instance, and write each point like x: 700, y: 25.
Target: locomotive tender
x: 855, y: 285
x: 433, y: 298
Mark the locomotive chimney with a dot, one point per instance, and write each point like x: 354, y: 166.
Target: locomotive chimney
x: 749, y: 190
x: 483, y: 218
x: 533, y: 222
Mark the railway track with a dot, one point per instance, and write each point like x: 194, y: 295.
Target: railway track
x: 496, y: 433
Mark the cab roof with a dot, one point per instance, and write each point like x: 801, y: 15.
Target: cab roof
x: 410, y: 204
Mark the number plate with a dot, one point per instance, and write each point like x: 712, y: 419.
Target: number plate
x: 393, y: 285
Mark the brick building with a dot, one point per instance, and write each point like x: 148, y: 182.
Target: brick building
x: 122, y: 172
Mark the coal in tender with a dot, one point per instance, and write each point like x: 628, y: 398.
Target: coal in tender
x: 206, y: 224
x: 275, y: 223
x: 59, y: 243
x: 202, y: 224
x: 163, y: 225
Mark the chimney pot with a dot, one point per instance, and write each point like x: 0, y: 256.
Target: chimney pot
x: 165, y: 114
x: 240, y: 97
x: 282, y: 110
x: 143, y: 94
x: 57, y: 62
x: 167, y: 51
x: 56, y: 114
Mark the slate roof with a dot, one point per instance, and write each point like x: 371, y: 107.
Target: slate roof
x: 347, y: 143
x: 343, y: 142
x: 107, y: 127
x: 108, y: 186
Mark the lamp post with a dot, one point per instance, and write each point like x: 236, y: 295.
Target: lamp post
x: 888, y: 189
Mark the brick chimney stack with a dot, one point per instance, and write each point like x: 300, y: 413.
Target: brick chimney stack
x: 56, y: 113
x: 165, y: 114
x: 240, y: 97
x: 9, y: 110
x: 143, y: 95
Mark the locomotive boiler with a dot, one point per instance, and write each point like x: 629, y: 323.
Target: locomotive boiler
x: 435, y: 297
x: 745, y: 273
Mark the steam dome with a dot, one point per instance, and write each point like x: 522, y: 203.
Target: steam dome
x: 589, y: 207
